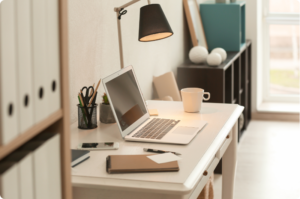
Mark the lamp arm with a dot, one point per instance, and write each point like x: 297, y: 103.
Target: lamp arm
x: 117, y: 10
x: 120, y: 41
x: 128, y: 4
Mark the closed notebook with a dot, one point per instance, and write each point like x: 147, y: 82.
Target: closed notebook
x: 79, y: 156
x: 137, y: 164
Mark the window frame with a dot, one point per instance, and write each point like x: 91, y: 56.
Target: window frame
x: 274, y: 19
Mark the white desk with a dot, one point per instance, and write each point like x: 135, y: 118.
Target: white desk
x: 90, y: 180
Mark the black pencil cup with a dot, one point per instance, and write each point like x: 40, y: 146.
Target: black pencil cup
x: 87, y: 117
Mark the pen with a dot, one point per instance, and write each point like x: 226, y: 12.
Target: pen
x: 160, y: 151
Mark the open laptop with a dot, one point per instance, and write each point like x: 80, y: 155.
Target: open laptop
x: 133, y: 119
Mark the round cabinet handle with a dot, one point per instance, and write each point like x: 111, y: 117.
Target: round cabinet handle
x: 227, y: 137
x: 205, y: 173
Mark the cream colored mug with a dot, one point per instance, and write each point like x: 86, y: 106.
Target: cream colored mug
x: 192, y: 99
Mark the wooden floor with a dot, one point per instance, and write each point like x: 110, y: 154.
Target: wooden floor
x: 268, y: 162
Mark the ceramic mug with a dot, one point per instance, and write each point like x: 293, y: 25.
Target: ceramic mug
x: 192, y: 99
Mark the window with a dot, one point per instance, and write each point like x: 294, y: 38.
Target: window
x: 283, y: 6
x: 281, y: 50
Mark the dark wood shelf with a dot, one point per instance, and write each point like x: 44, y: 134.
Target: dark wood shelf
x: 231, y: 57
x: 229, y: 82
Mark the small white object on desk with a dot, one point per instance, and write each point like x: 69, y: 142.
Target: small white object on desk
x: 167, y: 98
x: 164, y: 158
x: 192, y: 99
x: 153, y: 112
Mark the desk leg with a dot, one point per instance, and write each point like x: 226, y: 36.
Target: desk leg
x: 229, y: 166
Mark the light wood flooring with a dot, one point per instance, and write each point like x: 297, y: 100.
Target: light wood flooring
x: 268, y: 162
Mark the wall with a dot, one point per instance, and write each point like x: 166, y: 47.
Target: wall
x: 94, y: 50
x: 254, y: 33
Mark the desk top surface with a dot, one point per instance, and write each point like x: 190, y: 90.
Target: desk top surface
x: 195, y: 157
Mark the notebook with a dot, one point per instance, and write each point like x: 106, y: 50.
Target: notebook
x: 137, y: 164
x: 79, y: 156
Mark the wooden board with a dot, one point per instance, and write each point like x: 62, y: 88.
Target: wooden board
x: 63, y: 125
x: 30, y: 133
x: 192, y: 13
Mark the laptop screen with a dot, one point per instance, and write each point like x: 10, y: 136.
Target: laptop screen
x: 126, y: 99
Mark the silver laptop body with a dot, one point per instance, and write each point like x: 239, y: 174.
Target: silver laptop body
x: 132, y: 116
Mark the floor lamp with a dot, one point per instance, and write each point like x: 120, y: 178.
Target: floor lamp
x: 153, y: 24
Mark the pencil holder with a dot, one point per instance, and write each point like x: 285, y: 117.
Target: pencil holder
x: 87, y: 117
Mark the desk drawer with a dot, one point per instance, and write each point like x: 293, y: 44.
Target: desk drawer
x: 224, y: 146
x: 206, y: 174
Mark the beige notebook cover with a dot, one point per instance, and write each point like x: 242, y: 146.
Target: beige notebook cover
x: 137, y: 164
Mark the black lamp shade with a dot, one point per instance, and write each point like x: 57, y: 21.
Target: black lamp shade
x: 153, y: 24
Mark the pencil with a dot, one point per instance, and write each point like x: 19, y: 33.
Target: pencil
x: 95, y: 91
x: 81, y: 98
x: 86, y: 111
x: 82, y: 109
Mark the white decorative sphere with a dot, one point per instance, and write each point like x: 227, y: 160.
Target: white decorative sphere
x: 198, y: 54
x: 221, y: 51
x: 214, y: 59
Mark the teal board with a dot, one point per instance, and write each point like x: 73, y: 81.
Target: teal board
x: 224, y: 25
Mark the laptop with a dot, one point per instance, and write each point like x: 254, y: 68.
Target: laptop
x: 133, y: 118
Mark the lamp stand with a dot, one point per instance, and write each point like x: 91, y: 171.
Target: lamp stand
x: 117, y: 10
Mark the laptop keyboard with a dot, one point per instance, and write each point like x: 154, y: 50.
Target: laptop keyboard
x: 156, y: 129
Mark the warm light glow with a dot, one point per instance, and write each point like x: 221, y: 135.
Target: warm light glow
x: 156, y: 36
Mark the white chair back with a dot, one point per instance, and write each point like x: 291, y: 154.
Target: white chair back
x: 166, y: 87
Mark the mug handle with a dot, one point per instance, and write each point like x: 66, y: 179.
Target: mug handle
x: 207, y: 93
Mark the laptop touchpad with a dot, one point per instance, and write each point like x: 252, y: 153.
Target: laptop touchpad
x: 184, y: 130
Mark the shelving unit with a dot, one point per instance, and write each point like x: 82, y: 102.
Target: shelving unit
x: 229, y: 82
x: 58, y: 121
x: 30, y: 133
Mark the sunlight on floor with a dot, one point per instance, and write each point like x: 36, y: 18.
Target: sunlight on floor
x: 268, y: 162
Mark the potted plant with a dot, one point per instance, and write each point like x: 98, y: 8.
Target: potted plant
x: 106, y: 114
